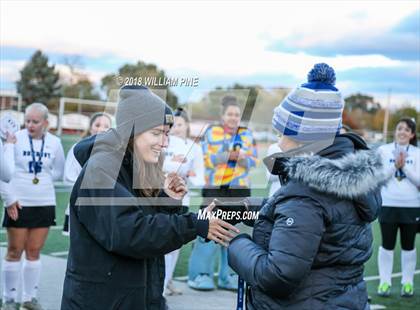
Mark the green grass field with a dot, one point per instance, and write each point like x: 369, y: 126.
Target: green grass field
x: 57, y: 245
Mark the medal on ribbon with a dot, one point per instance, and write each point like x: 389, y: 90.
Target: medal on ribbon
x: 36, y: 164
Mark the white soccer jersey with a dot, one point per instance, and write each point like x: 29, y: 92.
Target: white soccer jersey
x: 72, y: 168
x: 402, y: 193
x: 21, y: 187
x: 194, y: 162
x: 7, y: 161
x: 273, y: 179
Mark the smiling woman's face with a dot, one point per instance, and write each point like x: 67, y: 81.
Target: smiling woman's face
x: 101, y: 124
x: 150, y: 144
x: 232, y: 116
x: 403, y: 133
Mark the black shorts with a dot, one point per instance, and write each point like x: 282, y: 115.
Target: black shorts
x: 32, y: 217
x: 399, y: 215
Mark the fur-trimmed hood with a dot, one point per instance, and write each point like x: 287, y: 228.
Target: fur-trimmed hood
x: 346, y: 169
x: 351, y: 176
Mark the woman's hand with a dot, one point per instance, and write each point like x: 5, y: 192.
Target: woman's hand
x: 179, y: 159
x: 191, y: 173
x: 220, y: 231
x: 242, y: 155
x: 233, y: 155
x: 400, y: 161
x: 13, y: 210
x: 10, y: 138
x: 175, y: 186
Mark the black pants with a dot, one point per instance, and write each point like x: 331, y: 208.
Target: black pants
x: 407, y: 235
x: 236, y: 193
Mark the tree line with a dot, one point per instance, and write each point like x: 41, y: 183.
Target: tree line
x: 40, y: 81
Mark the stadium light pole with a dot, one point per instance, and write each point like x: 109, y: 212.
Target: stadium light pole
x: 60, y: 116
x: 386, y: 116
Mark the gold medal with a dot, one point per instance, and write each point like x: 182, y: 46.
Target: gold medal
x: 35, y: 180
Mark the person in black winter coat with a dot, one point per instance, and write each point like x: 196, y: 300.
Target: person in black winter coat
x: 125, y: 214
x: 313, y: 235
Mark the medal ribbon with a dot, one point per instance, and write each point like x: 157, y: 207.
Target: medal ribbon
x: 38, y: 163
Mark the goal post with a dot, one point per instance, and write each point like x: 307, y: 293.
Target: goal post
x: 95, y: 105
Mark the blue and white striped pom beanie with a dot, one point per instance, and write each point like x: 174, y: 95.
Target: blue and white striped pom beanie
x: 313, y: 111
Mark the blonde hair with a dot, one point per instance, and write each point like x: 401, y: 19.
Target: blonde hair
x: 40, y: 107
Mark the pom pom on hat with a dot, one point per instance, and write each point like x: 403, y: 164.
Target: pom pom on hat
x: 322, y: 73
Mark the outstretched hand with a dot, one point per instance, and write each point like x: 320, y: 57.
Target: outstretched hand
x: 219, y: 230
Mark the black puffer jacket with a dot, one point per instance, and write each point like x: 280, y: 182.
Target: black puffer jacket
x: 116, y: 244
x: 313, y: 236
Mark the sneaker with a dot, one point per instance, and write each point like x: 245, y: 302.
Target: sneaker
x: 202, y: 282
x: 384, y: 290
x: 31, y: 305
x: 230, y: 284
x: 171, y: 289
x: 9, y: 305
x: 407, y: 290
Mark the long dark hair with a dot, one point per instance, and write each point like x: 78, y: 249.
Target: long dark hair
x: 150, y: 177
x: 412, y: 125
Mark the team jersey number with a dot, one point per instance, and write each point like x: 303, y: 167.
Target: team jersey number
x: 35, y: 165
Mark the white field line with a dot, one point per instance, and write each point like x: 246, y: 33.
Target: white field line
x: 63, y: 253
x: 394, y: 275
x: 374, y: 307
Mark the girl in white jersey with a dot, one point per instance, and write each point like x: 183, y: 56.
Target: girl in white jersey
x: 273, y: 180
x: 184, y: 157
x: 29, y: 198
x: 400, y: 206
x: 7, y: 157
x: 99, y: 122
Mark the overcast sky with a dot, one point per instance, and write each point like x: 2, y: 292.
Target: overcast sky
x: 373, y: 46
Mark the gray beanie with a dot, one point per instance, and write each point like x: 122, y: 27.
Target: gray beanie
x: 140, y: 110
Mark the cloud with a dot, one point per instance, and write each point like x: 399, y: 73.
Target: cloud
x: 9, y: 70
x: 208, y: 37
x: 409, y: 25
x: 404, y: 79
x: 400, y: 42
x: 219, y: 43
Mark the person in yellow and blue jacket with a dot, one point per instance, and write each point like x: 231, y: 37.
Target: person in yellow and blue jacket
x: 229, y: 152
x: 228, y: 156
